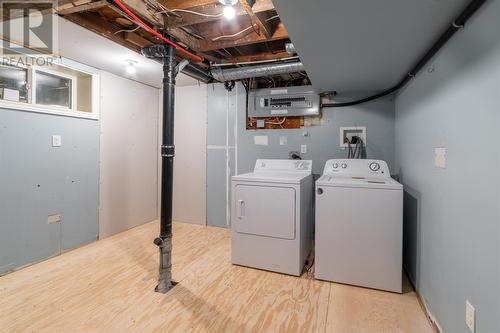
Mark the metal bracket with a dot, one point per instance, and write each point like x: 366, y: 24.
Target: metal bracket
x: 167, y: 151
x: 458, y: 26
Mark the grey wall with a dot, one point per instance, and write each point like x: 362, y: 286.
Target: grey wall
x: 129, y: 155
x: 452, y: 215
x: 37, y: 180
x: 322, y: 140
x: 221, y: 124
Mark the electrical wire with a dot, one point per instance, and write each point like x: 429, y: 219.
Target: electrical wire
x: 156, y: 33
x: 131, y: 30
x: 278, y: 122
x: 189, y: 12
x: 272, y: 18
x: 233, y: 35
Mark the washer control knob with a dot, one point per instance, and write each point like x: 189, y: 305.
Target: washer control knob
x: 374, y: 166
x: 335, y: 165
x: 343, y: 165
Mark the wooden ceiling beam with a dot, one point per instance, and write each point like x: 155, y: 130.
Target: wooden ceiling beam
x: 101, y: 27
x: 258, y: 57
x: 186, y: 4
x: 186, y: 19
x: 140, y: 8
x: 136, y: 39
x: 251, y: 38
x: 262, y: 25
x: 83, y: 8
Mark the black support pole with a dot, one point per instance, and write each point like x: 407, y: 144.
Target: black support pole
x: 164, y: 241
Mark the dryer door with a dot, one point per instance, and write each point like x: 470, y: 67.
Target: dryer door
x: 264, y: 211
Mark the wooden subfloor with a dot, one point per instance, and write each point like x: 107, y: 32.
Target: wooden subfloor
x: 108, y: 286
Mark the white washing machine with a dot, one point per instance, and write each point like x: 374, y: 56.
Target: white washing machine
x: 271, y: 216
x: 359, y: 225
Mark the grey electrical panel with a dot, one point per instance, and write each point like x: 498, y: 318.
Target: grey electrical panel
x: 283, y: 102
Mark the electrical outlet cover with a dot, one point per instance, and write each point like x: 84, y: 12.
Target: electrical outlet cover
x: 440, y: 157
x: 56, y: 141
x: 303, y: 149
x: 470, y: 316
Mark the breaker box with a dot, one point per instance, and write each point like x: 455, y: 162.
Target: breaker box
x: 283, y: 102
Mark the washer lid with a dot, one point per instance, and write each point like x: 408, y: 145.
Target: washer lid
x: 359, y: 182
x: 273, y: 177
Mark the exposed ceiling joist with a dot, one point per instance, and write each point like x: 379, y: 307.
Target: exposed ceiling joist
x: 101, y: 27
x: 186, y: 4
x: 263, y: 26
x: 82, y: 8
x: 251, y: 38
x: 185, y: 19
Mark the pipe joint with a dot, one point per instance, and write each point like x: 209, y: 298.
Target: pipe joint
x: 167, y: 151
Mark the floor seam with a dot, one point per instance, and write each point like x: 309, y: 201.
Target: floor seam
x: 328, y: 306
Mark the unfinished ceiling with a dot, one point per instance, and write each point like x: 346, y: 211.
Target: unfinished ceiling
x: 256, y: 33
x: 359, y: 45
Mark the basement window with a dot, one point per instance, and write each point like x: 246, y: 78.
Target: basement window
x: 56, y: 87
x: 54, y: 90
x: 13, y: 83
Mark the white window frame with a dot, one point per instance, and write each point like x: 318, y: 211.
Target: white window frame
x: 74, y: 92
x: 31, y: 106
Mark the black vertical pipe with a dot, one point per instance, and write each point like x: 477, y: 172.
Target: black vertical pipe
x: 164, y: 241
x: 167, y: 148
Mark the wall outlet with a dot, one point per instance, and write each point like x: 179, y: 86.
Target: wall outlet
x: 470, y: 316
x: 54, y: 218
x: 303, y: 149
x: 56, y: 141
x: 440, y: 157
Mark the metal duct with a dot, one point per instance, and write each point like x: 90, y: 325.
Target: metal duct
x: 234, y: 74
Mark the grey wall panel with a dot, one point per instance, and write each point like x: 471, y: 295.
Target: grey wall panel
x: 217, y: 110
x: 323, y: 140
x: 37, y: 180
x: 129, y: 155
x: 216, y: 188
x: 190, y: 162
x: 452, y: 215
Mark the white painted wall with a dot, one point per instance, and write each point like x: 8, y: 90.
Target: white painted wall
x: 190, y: 154
x: 129, y: 159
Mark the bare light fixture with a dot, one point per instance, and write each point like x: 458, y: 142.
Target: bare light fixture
x: 228, y: 2
x: 131, y: 68
x: 229, y: 12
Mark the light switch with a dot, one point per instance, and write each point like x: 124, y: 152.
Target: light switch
x: 440, y: 157
x: 283, y: 140
x: 303, y: 149
x: 56, y: 141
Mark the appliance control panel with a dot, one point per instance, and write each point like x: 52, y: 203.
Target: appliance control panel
x: 283, y: 165
x: 356, y: 167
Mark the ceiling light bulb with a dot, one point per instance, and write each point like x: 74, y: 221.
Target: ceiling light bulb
x: 228, y: 2
x: 229, y: 12
x: 131, y: 68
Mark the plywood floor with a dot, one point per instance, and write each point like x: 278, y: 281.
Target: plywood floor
x: 108, y: 286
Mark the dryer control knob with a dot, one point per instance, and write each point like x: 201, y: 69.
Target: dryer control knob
x: 344, y: 165
x: 374, y: 166
x: 335, y: 165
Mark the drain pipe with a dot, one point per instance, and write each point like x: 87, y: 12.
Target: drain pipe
x: 164, y: 241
